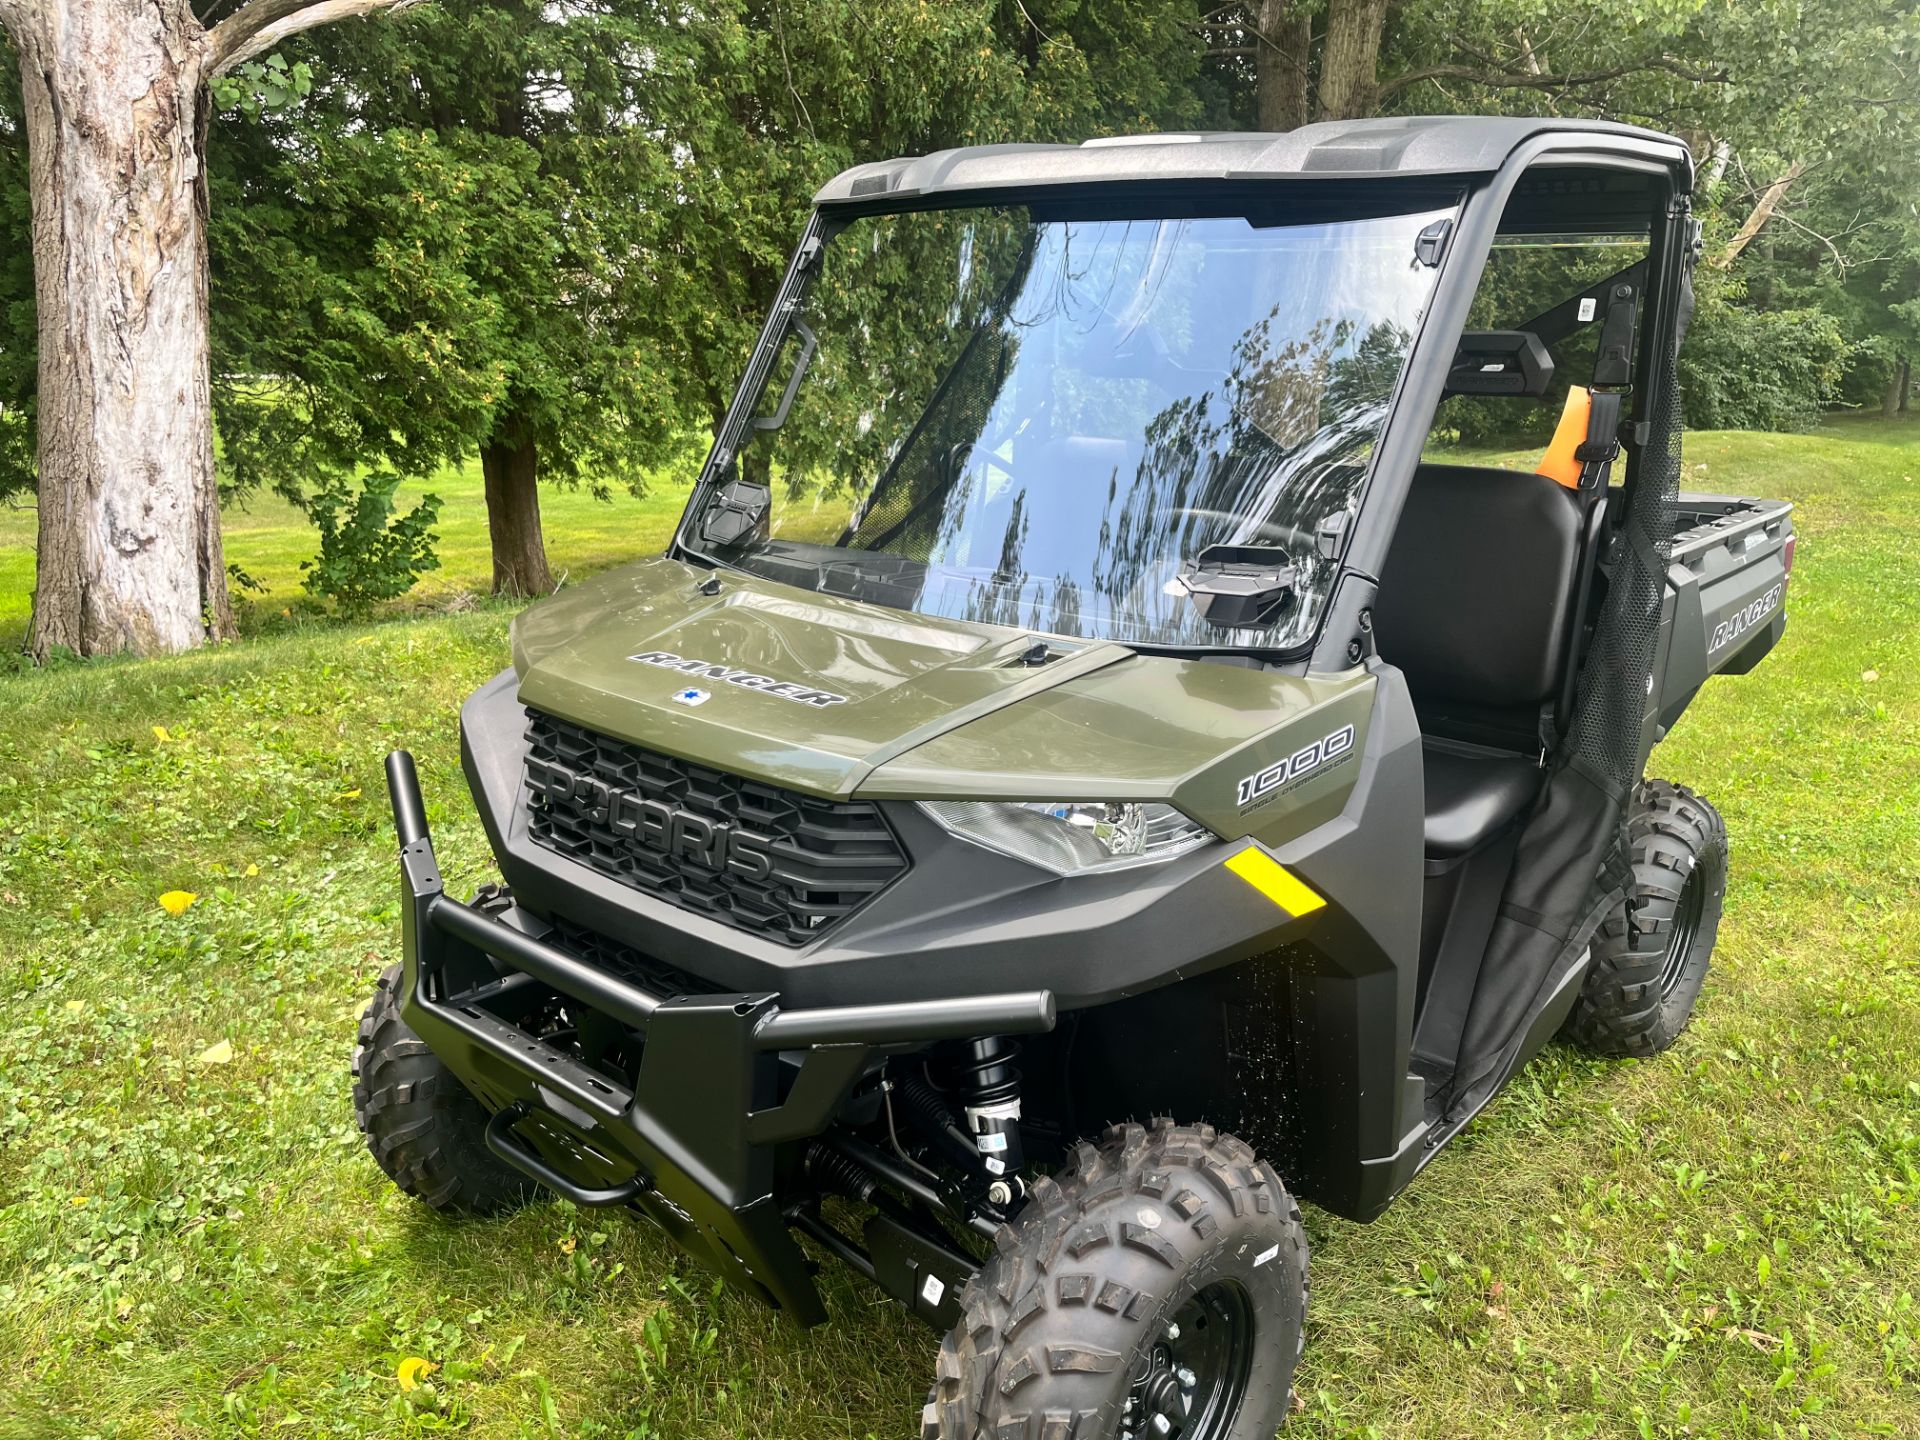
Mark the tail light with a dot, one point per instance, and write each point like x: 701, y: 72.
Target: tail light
x: 1786, y: 554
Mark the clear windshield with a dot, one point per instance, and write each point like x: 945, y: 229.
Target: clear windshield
x: 1039, y: 422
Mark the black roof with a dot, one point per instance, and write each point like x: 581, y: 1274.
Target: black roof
x: 1425, y: 145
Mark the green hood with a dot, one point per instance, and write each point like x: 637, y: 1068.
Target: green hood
x: 831, y: 696
x: 822, y: 690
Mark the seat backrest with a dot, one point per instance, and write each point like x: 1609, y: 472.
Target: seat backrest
x: 1478, y: 590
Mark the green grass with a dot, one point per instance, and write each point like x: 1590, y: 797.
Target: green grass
x: 268, y: 538
x: 1723, y: 1241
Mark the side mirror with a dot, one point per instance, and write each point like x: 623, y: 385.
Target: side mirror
x: 1500, y: 362
x: 1238, y: 586
x: 737, y: 513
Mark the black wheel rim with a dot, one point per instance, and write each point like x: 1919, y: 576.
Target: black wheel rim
x: 1686, y: 929
x: 1195, y: 1375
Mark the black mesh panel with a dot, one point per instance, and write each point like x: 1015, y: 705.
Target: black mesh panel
x: 1571, y: 869
x: 1612, y: 702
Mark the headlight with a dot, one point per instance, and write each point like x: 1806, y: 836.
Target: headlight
x: 1072, y: 837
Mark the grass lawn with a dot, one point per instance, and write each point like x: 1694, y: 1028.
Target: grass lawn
x: 268, y: 538
x: 1724, y: 1241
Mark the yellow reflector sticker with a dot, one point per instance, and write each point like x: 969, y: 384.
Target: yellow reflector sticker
x: 1275, y: 881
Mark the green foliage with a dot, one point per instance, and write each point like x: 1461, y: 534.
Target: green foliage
x: 1755, y: 88
x: 1761, y: 369
x: 257, y: 86
x: 242, y: 581
x: 360, y: 291
x: 566, y: 224
x: 407, y: 272
x: 366, y: 555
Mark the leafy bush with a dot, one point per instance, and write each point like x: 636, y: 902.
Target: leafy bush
x: 1478, y: 422
x: 1747, y: 369
x: 363, y: 558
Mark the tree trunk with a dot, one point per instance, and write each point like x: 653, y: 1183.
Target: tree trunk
x: 1897, y: 388
x: 1350, y: 60
x: 1280, y: 55
x: 1761, y: 213
x: 510, y: 462
x: 1718, y: 158
x: 130, y: 556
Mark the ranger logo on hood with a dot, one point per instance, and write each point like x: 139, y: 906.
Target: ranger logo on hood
x: 707, y: 670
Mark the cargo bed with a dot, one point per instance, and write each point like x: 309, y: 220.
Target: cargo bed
x: 1726, y: 593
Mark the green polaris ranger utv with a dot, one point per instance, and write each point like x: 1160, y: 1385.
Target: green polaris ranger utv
x: 1093, y: 768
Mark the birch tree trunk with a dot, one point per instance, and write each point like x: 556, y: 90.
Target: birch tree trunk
x: 130, y: 555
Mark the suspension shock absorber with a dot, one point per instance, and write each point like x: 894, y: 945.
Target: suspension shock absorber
x: 987, y: 1085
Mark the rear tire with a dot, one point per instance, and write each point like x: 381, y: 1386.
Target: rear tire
x: 1652, y: 953
x: 425, y: 1129
x: 1163, y: 1250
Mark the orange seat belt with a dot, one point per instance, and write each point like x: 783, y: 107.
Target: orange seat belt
x: 1561, y: 464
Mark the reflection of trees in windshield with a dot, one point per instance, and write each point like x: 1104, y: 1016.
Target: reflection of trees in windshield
x: 1050, y: 416
x: 901, y: 319
x: 1260, y: 459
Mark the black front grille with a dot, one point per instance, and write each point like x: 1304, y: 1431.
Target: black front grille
x: 605, y: 953
x: 650, y: 821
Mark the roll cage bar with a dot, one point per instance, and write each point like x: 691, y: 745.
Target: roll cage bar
x: 1346, y: 632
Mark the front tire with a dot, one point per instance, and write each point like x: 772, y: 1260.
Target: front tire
x: 1652, y: 953
x: 1161, y: 1277
x: 425, y: 1129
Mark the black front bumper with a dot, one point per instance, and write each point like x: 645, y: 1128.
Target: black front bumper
x: 724, y: 1081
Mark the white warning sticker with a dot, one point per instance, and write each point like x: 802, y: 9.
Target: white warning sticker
x: 933, y: 1289
x: 1265, y: 1255
x: 1588, y: 306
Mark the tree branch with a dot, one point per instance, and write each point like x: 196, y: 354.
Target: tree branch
x: 259, y: 25
x: 1839, y: 260
x: 1263, y: 44
x: 1532, y: 63
x: 1761, y: 212
x: 1536, y: 80
x: 1528, y: 57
